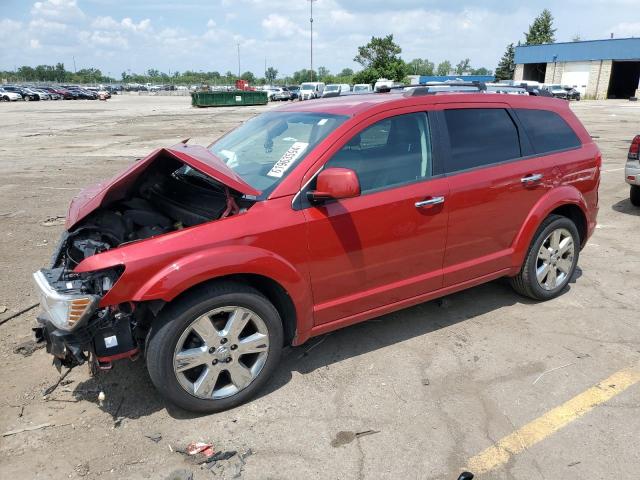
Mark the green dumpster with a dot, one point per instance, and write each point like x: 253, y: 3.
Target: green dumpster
x: 228, y: 99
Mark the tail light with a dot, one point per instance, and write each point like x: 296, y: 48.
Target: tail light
x: 634, y: 149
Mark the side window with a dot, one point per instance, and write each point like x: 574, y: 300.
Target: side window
x: 480, y: 136
x: 393, y: 151
x: 547, y: 130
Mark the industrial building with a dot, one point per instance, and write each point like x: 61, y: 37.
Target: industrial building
x: 599, y: 69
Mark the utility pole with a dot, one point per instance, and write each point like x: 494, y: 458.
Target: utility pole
x: 311, y: 24
x: 238, y: 44
x: 74, y: 64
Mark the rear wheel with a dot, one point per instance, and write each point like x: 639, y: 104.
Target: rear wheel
x: 215, y: 348
x: 634, y: 195
x: 551, y: 260
x: 27, y: 98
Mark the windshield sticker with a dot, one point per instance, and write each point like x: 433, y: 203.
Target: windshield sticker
x: 287, y: 159
x: 323, y: 121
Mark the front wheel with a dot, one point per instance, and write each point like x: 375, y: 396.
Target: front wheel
x: 215, y: 348
x: 634, y: 195
x: 551, y: 260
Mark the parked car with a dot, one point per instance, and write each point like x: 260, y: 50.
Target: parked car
x: 572, y: 93
x: 302, y: 221
x: 311, y: 90
x: 26, y: 94
x: 41, y: 94
x: 557, y: 91
x: 279, y: 94
x: 50, y: 93
x: 8, y: 96
x: 335, y: 89
x: 362, y: 88
x: 632, y: 171
x: 63, y: 93
x: 294, y: 91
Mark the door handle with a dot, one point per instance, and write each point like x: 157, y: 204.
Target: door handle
x: 533, y: 178
x: 429, y: 202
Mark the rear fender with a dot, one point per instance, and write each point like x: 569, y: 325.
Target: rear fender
x: 557, y: 197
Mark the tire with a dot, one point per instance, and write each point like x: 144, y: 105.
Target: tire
x: 27, y: 98
x: 526, y: 283
x: 173, y: 333
x: 634, y: 195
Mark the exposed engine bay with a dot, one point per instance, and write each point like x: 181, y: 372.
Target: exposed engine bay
x: 169, y: 196
x: 166, y: 195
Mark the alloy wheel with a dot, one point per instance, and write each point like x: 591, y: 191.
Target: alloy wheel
x: 221, y: 352
x: 555, y: 259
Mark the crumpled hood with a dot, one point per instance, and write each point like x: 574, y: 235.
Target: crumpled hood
x: 196, y: 156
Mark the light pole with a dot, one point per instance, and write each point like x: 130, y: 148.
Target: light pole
x: 311, y: 23
x: 238, y: 44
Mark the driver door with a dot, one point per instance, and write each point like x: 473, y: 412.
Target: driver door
x: 387, y: 244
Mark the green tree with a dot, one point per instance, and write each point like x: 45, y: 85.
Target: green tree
x: 323, y: 73
x: 480, y: 71
x: 270, y: 75
x: 249, y: 77
x: 420, y: 66
x: 303, y: 75
x: 346, y: 72
x: 380, y: 59
x: 463, y: 66
x: 541, y: 30
x: 507, y: 66
x: 443, y: 68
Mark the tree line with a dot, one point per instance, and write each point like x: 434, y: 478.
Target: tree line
x: 540, y: 31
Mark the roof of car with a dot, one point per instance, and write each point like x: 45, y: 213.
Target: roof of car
x: 353, y: 104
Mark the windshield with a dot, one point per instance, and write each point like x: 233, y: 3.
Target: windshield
x: 307, y: 87
x: 264, y: 149
x: 358, y: 88
x: 332, y: 88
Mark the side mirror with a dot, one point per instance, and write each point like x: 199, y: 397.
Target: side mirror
x: 335, y: 183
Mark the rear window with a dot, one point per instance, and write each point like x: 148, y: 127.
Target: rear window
x: 547, y: 130
x: 480, y: 136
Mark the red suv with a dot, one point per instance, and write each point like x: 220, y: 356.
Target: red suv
x: 309, y: 218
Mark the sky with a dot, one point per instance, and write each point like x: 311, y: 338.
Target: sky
x: 136, y: 35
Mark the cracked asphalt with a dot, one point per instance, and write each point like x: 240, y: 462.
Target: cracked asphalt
x: 440, y: 382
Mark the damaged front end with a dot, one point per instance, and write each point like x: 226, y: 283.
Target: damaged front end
x: 171, y: 189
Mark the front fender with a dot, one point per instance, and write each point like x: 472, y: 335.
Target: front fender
x: 198, y: 267
x: 557, y: 197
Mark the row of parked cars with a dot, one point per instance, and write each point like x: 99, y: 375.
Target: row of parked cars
x: 311, y: 90
x: 13, y: 93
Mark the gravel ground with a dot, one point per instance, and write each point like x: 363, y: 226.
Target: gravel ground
x: 440, y: 382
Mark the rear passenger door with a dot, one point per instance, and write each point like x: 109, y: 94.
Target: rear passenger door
x: 494, y: 182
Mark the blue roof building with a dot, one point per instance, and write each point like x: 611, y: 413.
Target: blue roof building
x: 597, y: 68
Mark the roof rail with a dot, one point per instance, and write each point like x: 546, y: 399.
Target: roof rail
x: 431, y: 88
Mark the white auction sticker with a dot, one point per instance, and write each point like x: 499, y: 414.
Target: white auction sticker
x: 287, y: 159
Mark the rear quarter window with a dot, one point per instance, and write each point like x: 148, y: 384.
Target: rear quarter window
x: 479, y: 137
x: 547, y: 131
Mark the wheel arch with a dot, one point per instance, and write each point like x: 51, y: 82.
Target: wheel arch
x: 564, y: 201
x: 270, y: 288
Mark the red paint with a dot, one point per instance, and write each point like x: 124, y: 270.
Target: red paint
x: 344, y: 261
x: 337, y: 183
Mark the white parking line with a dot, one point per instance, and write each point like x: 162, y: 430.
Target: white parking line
x: 613, y: 170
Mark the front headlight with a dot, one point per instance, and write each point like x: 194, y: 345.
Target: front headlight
x: 66, y: 311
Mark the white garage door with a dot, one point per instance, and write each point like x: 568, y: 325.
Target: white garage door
x: 576, y: 75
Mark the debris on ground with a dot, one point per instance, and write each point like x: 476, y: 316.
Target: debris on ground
x: 306, y: 352
x: 101, y: 397
x: 27, y: 348
x: 18, y: 313
x: 54, y: 221
x: 82, y: 469
x: 180, y: 475
x: 552, y: 370
x: 221, y: 456
x: 51, y: 389
x: 345, y: 437
x: 27, y: 429
x: 3, y: 308
x: 154, y: 437
x: 200, y: 447
x: 425, y: 381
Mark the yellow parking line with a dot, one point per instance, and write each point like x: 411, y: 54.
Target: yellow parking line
x: 552, y: 421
